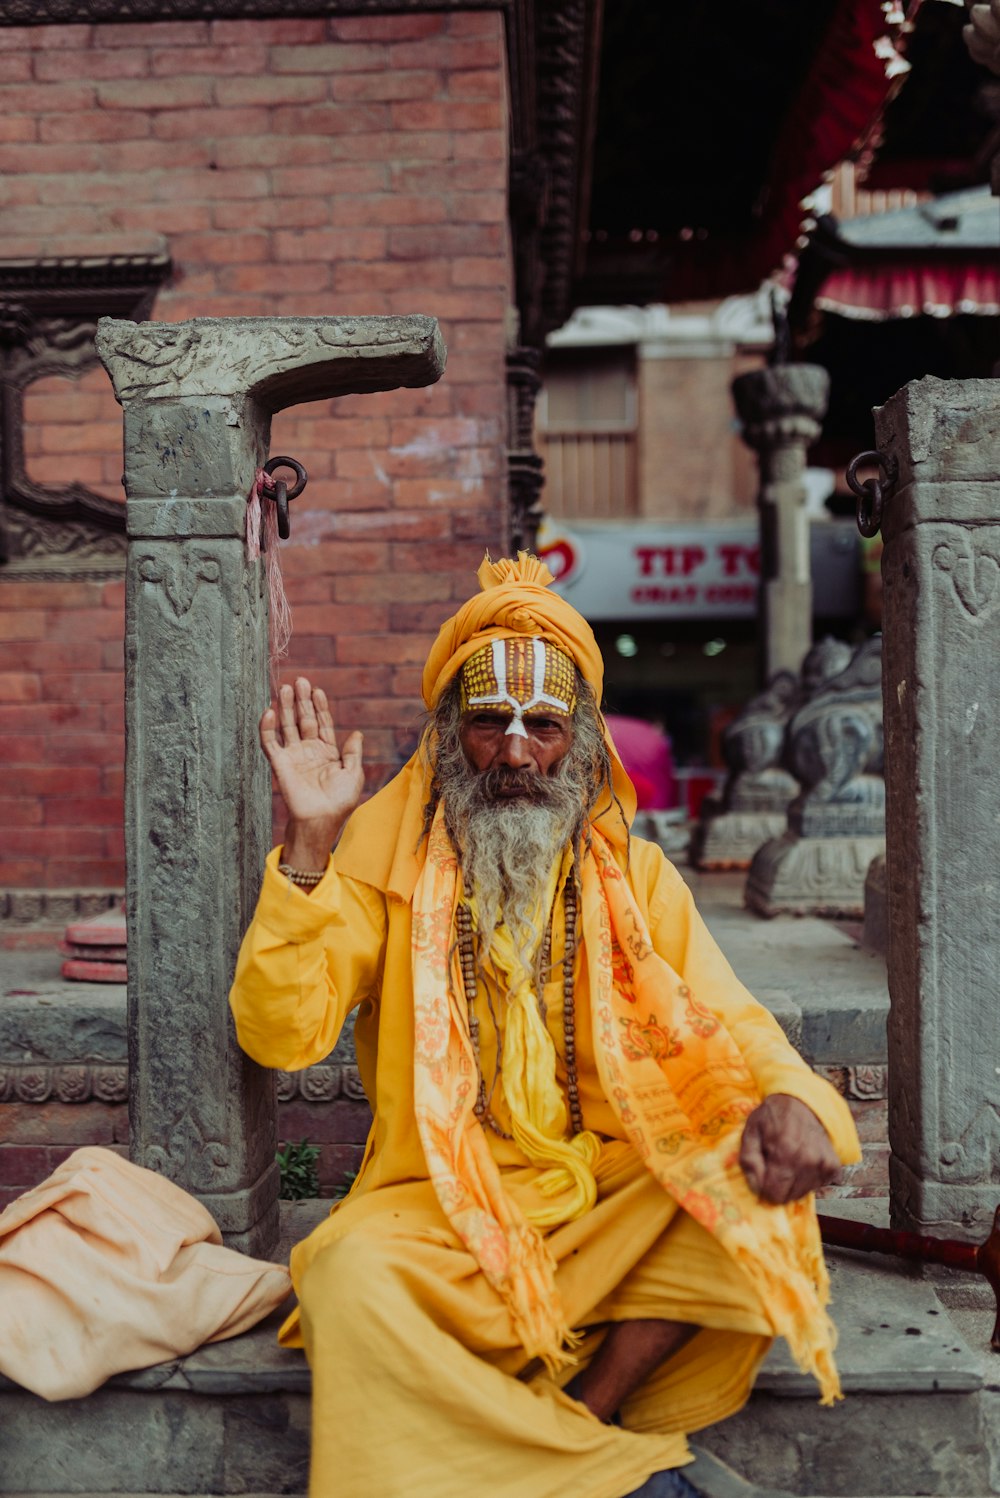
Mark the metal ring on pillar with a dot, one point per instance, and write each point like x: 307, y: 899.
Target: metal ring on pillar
x: 282, y: 494
x: 872, y: 493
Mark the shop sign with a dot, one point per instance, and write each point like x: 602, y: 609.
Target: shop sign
x: 685, y: 572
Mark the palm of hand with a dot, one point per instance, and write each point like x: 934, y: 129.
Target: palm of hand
x: 315, y: 782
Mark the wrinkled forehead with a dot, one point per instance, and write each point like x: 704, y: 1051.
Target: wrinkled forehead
x: 520, y: 675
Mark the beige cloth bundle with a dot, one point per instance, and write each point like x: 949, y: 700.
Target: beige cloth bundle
x: 106, y: 1267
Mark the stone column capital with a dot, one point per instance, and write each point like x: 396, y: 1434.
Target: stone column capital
x: 782, y: 404
x: 273, y: 361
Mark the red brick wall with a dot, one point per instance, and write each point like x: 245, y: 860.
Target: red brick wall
x: 294, y: 167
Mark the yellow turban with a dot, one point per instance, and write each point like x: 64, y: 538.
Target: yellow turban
x: 515, y: 600
x: 382, y: 843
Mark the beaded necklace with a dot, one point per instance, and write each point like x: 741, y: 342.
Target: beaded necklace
x: 470, y: 983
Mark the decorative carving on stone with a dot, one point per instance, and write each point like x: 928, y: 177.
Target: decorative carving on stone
x: 974, y: 572
x: 759, y: 789
x: 351, y: 1085
x: 198, y: 398
x: 180, y: 576
x: 48, y: 317
x: 836, y: 823
x: 71, y: 1083
x: 862, y: 1084
x: 835, y: 749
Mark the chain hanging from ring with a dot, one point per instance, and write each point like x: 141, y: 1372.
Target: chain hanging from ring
x: 873, y: 492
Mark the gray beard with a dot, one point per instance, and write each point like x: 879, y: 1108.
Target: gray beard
x: 507, y: 848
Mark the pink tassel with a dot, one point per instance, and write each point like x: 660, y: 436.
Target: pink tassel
x: 281, y: 614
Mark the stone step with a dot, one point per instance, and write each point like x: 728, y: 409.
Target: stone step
x: 921, y: 1414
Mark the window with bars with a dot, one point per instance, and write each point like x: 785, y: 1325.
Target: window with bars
x: 587, y: 433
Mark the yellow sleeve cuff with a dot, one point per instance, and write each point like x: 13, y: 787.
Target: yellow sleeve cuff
x: 294, y: 914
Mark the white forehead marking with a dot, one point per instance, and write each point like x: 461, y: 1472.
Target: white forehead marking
x: 503, y: 698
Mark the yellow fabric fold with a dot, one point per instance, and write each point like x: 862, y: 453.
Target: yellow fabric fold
x: 677, y: 1080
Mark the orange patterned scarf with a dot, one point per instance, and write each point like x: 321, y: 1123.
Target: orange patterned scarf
x: 677, y: 1081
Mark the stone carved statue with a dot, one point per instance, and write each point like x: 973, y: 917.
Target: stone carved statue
x: 760, y: 787
x: 834, y: 749
x: 836, y: 824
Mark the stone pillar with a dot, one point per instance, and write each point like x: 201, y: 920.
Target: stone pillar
x: 781, y: 408
x: 198, y: 398
x: 941, y: 589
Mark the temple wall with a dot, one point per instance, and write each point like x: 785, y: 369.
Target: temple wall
x: 289, y: 167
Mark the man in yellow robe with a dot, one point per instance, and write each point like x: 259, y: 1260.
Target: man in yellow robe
x: 585, y: 1208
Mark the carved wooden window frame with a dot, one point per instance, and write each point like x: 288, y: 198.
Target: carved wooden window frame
x: 48, y: 317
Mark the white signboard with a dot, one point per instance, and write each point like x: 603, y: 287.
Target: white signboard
x: 656, y: 571
x: 637, y: 571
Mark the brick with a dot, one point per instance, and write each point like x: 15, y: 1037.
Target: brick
x: 27, y: 624
x: 155, y: 93
x: 188, y: 218
x: 448, y: 53
x: 85, y: 749
x: 15, y: 67
x: 238, y: 91
x: 273, y: 213
x: 43, y: 655
x: 92, y: 811
x: 218, y: 58
x: 18, y: 127
x: 16, y: 191
x: 59, y: 780
x: 73, y: 38
x: 23, y: 1165
x: 334, y: 619
x: 387, y: 649
x: 18, y: 686
x: 389, y: 86
x: 34, y: 159
x: 19, y: 811
x: 276, y: 279
x: 333, y: 178
x: 430, y: 277
x: 113, y: 595
x: 329, y: 244
x: 32, y: 98
x: 86, y: 873
x: 439, y: 241
x: 406, y: 681
x: 338, y: 120
x: 83, y: 686
x: 147, y: 155
x: 479, y: 207
x: 365, y: 57
x: 389, y: 208
x: 153, y: 34
x: 95, y: 124
x: 113, y: 780
x: 210, y: 185
x: 93, y: 63
x: 261, y: 150
x: 426, y: 145
x: 477, y: 83
x: 68, y: 595
x: 56, y: 1123
x: 200, y: 124
x: 473, y: 24
x: 474, y: 270
x: 444, y: 176
x: 480, y: 145
x: 41, y: 717
x: 98, y: 437
x: 221, y: 249
x: 401, y: 586
x: 386, y: 28
x: 269, y: 33
x: 429, y: 114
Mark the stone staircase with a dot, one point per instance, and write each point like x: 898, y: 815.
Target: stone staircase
x: 921, y: 1413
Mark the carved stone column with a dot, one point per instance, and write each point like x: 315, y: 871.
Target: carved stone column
x: 198, y: 398
x: 941, y: 591
x: 781, y: 408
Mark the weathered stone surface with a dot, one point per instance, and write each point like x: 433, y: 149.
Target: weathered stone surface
x: 760, y: 786
x: 198, y: 399
x: 835, y: 752
x: 781, y: 408
x: 278, y: 361
x: 941, y: 591
x: 794, y: 875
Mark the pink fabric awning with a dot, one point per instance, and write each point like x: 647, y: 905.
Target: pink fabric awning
x: 913, y: 289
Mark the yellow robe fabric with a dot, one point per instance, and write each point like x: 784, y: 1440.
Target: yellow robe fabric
x: 411, y: 1351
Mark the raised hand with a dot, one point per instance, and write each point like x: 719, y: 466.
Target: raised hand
x: 786, y: 1152
x: 321, y: 784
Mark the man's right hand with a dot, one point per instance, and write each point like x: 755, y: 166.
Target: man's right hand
x: 321, y: 786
